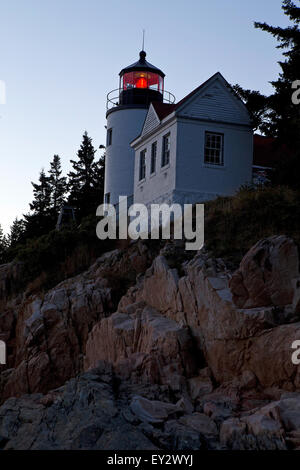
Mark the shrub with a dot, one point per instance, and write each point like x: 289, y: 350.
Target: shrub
x: 234, y: 224
x: 58, y: 255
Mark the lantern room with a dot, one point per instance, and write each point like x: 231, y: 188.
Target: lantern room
x: 141, y: 83
x: 144, y: 80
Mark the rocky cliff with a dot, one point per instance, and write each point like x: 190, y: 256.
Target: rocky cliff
x: 155, y: 349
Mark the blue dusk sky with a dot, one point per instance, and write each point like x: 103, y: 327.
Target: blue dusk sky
x: 59, y: 59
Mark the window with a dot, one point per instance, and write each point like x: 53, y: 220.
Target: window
x: 214, y: 149
x: 142, y: 173
x: 107, y: 198
x: 153, y: 157
x: 109, y: 137
x: 165, y: 158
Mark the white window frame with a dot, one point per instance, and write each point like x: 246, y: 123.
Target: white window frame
x: 165, y: 155
x: 214, y: 147
x: 153, y: 158
x: 142, y: 165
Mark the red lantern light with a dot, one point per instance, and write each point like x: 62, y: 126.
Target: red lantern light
x: 141, y: 83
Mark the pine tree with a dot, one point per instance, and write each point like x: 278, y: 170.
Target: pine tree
x: 257, y: 105
x: 83, y: 181
x: 41, y: 219
x: 98, y: 183
x: 16, y: 232
x: 58, y: 185
x: 276, y: 115
x: 284, y: 117
x: 42, y: 195
x: 3, y: 245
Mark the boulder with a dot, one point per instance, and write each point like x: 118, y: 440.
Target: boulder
x: 80, y: 415
x: 266, y: 274
x: 46, y: 334
x: 151, y: 411
x: 201, y: 423
x: 255, y: 432
x: 200, y: 386
x: 147, y: 347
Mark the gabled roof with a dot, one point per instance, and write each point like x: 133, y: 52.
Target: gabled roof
x: 164, y: 109
x: 192, y: 93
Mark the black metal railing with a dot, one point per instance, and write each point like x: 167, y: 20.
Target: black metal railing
x: 113, y: 97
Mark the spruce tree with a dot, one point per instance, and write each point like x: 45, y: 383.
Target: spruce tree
x: 58, y: 185
x: 284, y: 116
x: 98, y: 183
x: 41, y: 219
x: 276, y: 115
x: 3, y: 245
x: 42, y: 195
x: 257, y: 105
x: 83, y: 182
x: 16, y: 232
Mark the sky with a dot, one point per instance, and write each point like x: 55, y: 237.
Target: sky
x: 59, y: 59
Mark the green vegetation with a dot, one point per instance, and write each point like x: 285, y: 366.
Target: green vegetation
x: 234, y: 224
x: 47, y: 255
x: 51, y: 258
x: 276, y: 115
x: 82, y: 189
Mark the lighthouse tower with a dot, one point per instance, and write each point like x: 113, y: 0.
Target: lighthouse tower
x: 140, y: 84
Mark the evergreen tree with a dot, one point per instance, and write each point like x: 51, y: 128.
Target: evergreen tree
x: 284, y: 117
x: 16, y: 232
x: 3, y: 245
x: 257, y: 105
x: 276, y: 115
x: 99, y: 175
x: 58, y: 185
x: 85, y: 181
x: 41, y: 219
x: 42, y: 195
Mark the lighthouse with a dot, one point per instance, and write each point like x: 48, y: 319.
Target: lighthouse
x: 140, y: 84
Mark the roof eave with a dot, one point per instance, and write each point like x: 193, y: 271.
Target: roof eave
x: 162, y: 123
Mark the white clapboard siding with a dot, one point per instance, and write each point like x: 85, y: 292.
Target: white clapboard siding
x: 216, y: 103
x: 151, y: 121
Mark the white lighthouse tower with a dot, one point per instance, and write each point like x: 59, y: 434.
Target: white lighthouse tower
x: 140, y: 84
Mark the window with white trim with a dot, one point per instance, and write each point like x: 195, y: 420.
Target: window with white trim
x: 153, y: 157
x: 142, y: 169
x: 214, y: 149
x: 166, y: 144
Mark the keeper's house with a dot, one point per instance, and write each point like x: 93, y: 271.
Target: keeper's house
x: 196, y: 149
x: 158, y: 151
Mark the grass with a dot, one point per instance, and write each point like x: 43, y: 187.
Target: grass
x: 234, y: 224
x: 51, y: 258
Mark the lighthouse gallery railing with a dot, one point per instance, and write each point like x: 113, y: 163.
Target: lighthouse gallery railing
x: 114, y: 96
